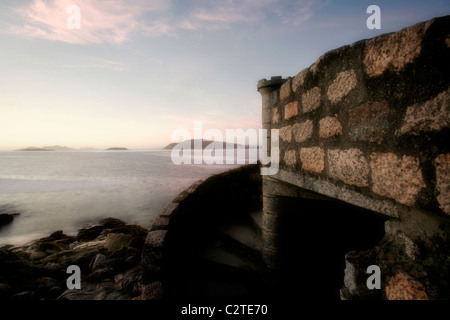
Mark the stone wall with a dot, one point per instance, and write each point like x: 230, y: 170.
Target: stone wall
x: 368, y: 124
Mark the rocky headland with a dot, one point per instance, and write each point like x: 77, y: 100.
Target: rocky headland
x: 108, y: 255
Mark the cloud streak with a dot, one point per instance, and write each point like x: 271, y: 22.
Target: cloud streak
x: 116, y: 21
x: 108, y: 21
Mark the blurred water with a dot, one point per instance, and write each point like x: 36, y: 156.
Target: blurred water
x: 67, y: 190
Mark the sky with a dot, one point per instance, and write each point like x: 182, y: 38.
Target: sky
x: 136, y: 71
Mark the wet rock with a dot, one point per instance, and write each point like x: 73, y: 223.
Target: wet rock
x: 130, y: 281
x: 100, y: 274
x: 110, y: 223
x: 89, y: 233
x: 80, y: 258
x: 131, y: 229
x: 11, y: 264
x: 57, y: 235
x: 97, y: 262
x: 37, y: 270
x: 152, y: 291
x: 137, y: 242
x: 115, y: 241
x: 26, y: 295
x: 37, y: 255
x: 52, y: 266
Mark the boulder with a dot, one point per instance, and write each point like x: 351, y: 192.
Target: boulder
x: 89, y: 233
x: 37, y: 255
x: 58, y: 235
x: 115, y: 241
x: 98, y: 262
x: 81, y: 258
x: 131, y: 229
x: 100, y: 274
x: 110, y: 223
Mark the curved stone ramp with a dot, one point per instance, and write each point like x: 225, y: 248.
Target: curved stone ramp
x: 207, y: 242
x: 226, y: 263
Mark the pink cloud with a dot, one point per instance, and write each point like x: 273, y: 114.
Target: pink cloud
x: 110, y: 21
x: 116, y: 21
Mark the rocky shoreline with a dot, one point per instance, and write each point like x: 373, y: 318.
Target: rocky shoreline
x: 108, y: 254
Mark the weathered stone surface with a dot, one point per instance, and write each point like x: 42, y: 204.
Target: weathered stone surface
x: 368, y: 122
x: 312, y: 159
x: 290, y: 158
x: 397, y: 178
x: 291, y: 110
x: 89, y: 233
x: 311, y: 100
x: 343, y: 83
x: 403, y: 287
x: 285, y: 90
x: 349, y: 166
x: 431, y: 115
x: 266, y: 117
x: 394, y: 51
x: 278, y: 188
x: 97, y: 262
x: 161, y: 222
x: 286, y: 133
x: 131, y: 229
x: 112, y: 223
x: 155, y: 239
x: 275, y: 116
x: 115, y: 241
x: 329, y: 127
x: 152, y: 291
x: 443, y: 181
x: 303, y: 131
x: 169, y: 209
x: 299, y: 79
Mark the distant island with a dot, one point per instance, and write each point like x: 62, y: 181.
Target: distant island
x: 117, y: 148
x: 205, y: 143
x: 58, y: 148
x: 35, y: 149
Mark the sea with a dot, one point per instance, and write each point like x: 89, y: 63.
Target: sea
x: 68, y: 190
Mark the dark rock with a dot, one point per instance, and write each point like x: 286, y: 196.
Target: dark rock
x: 10, y: 263
x: 131, y: 229
x: 54, y: 267
x: 55, y: 292
x: 116, y: 241
x: 57, y: 235
x: 37, y: 255
x: 81, y: 258
x: 100, y: 274
x: 46, y: 282
x: 97, y: 262
x: 110, y: 223
x: 5, y: 219
x: 123, y: 258
x: 89, y: 233
x: 5, y: 291
x: 26, y: 295
x: 130, y: 281
x: 153, y: 291
x: 137, y: 243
